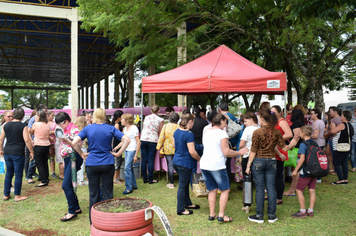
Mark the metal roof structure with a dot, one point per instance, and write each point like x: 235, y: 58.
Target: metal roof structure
x: 38, y: 49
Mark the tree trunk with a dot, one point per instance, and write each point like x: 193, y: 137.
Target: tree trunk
x: 319, y: 96
x: 212, y: 98
x: 254, y: 106
x: 247, y: 105
x: 289, y: 91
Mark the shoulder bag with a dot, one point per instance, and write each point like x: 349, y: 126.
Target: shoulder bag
x: 233, y: 128
x: 344, y: 147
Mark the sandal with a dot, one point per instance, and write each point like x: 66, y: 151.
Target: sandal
x: 211, y: 218
x: 153, y: 181
x: 222, y: 219
x: 30, y: 182
x: 76, y: 212
x: 65, y: 218
x: 185, y: 214
x: 192, y: 207
x: 7, y: 198
x: 127, y: 192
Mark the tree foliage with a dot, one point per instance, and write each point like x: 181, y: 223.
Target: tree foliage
x: 305, y: 38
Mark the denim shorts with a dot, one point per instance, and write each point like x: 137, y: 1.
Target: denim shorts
x: 217, y: 179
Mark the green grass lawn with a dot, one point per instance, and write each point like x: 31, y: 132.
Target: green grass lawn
x: 334, y: 212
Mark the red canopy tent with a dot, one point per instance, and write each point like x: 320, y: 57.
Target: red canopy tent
x: 219, y: 71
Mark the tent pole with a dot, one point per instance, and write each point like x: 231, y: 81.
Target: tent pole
x: 139, y: 176
x: 285, y: 104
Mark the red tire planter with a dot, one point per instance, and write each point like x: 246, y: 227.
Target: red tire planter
x: 118, y: 222
x: 97, y: 232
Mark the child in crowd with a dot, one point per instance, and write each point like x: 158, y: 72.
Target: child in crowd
x: 81, y: 122
x: 304, y: 180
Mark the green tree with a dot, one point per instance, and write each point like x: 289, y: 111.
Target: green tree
x: 305, y: 38
x: 32, y: 98
x: 4, y: 103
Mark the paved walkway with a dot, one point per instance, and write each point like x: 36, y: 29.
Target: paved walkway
x: 6, y: 232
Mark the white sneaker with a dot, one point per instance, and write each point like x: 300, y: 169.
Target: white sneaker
x: 318, y: 181
x: 272, y: 219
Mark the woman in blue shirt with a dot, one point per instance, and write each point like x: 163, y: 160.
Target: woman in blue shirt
x: 99, y: 159
x: 183, y: 162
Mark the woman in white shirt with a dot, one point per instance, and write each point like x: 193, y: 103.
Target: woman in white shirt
x: 212, y: 165
x: 251, y: 124
x: 131, y: 151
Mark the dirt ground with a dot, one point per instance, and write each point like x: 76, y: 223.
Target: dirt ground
x: 54, y: 187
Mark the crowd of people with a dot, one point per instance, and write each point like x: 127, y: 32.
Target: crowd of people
x: 190, y: 143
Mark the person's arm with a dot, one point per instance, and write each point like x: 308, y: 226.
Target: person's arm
x: 75, y: 145
x: 138, y: 146
x: 242, y: 144
x: 282, y: 156
x: 249, y: 163
x: 161, y: 139
x: 286, y: 129
x: 125, y: 140
x: 315, y: 134
x: 117, y: 147
x: 2, y: 138
x: 173, y: 144
x: 160, y: 127
x: 224, y: 143
x: 192, y: 151
x: 32, y: 130
x: 300, y: 163
x: 337, y: 129
x: 291, y: 145
x: 28, y: 141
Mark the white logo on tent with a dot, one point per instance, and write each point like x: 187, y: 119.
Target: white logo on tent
x: 273, y: 84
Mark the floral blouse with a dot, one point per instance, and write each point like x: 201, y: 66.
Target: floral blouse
x: 166, y: 138
x: 150, y: 129
x: 69, y: 133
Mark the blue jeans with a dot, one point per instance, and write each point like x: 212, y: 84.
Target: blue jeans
x: 14, y: 165
x: 130, y: 179
x: 148, y: 153
x: 67, y: 185
x: 352, y: 156
x: 340, y: 160
x: 264, y: 174
x: 31, y: 169
x: 183, y: 199
x: 170, y: 169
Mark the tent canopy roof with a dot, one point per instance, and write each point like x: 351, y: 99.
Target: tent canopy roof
x: 219, y: 71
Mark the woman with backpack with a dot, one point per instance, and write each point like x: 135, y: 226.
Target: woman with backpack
x: 344, y: 133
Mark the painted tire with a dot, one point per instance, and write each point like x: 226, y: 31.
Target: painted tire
x: 118, y: 222
x: 97, y: 232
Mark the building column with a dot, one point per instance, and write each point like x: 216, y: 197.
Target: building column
x: 86, y: 96
x: 117, y: 88
x: 130, y: 88
x: 74, y: 63
x: 151, y: 96
x: 106, y: 91
x: 92, y: 96
x: 182, y: 58
x: 79, y: 98
x: 82, y: 97
x: 98, y: 94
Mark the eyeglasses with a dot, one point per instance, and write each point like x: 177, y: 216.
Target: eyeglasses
x: 312, y: 113
x: 63, y: 122
x: 9, y: 116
